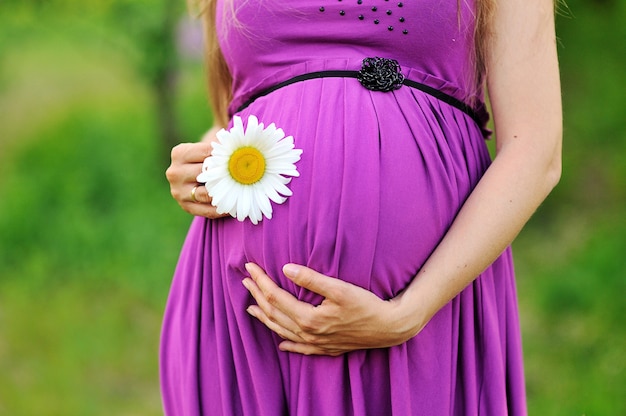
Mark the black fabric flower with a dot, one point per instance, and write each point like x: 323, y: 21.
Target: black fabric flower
x: 380, y: 74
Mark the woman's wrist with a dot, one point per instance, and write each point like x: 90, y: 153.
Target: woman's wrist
x: 407, y: 317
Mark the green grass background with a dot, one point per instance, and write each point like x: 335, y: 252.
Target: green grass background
x: 89, y: 235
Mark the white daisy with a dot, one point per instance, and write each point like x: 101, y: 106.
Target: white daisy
x: 248, y: 168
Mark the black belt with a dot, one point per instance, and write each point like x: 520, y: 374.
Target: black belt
x: 376, y: 74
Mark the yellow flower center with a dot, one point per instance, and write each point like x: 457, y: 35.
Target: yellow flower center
x: 247, y: 165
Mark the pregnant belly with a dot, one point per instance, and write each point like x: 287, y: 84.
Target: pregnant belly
x: 379, y: 186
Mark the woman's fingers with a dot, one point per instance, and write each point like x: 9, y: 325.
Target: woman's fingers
x: 279, y: 329
x: 191, y: 152
x: 326, y: 286
x: 187, y: 159
x: 308, y: 349
x: 199, y: 194
x: 199, y: 203
x: 276, y: 304
x: 199, y: 209
x: 193, y: 197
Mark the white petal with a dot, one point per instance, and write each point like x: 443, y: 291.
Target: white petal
x: 237, y: 133
x: 255, y: 209
x: 237, y: 125
x: 271, y: 192
x: 222, y: 136
x: 229, y: 203
x: 253, y: 130
x: 220, y: 192
x: 262, y: 201
x: 283, y: 190
x: 266, y: 208
x: 281, y: 163
x: 281, y: 147
x: 213, y: 176
x: 220, y: 149
x: 277, y: 183
x: 243, y: 204
x: 271, y: 136
x: 202, y: 178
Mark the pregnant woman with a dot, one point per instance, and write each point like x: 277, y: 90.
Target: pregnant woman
x: 372, y: 274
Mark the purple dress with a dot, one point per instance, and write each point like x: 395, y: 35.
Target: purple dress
x: 383, y: 175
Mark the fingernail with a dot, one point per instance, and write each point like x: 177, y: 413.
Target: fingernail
x: 245, y: 283
x: 291, y: 269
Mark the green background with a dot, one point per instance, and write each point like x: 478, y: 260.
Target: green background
x: 89, y: 235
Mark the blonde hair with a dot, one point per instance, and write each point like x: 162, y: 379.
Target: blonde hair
x: 219, y: 78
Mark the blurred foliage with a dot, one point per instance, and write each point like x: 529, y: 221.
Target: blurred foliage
x: 89, y: 235
x: 144, y: 29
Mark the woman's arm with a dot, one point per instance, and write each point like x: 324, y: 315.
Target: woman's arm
x: 186, y: 164
x: 524, y: 90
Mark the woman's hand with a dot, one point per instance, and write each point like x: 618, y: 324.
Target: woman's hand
x: 350, y: 318
x: 186, y: 164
